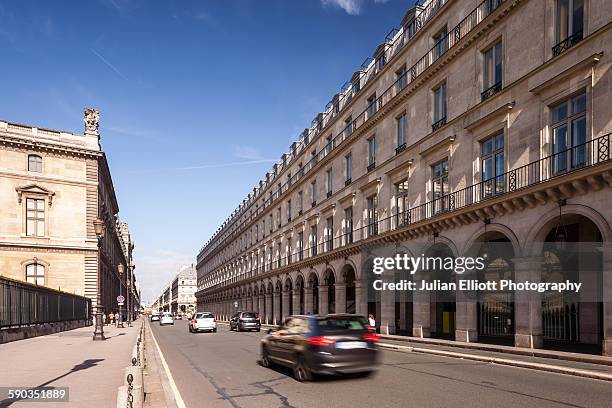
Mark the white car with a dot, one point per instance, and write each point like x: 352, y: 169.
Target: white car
x: 203, y: 321
x: 155, y: 317
x: 166, y: 318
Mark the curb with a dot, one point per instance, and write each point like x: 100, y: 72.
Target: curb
x: 502, y: 361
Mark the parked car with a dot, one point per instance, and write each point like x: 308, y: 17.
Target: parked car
x: 332, y: 344
x: 245, y: 321
x: 155, y: 317
x: 203, y: 321
x: 166, y: 318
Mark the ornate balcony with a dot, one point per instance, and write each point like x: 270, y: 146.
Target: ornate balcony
x: 566, y: 44
x: 487, y: 93
x: 437, y: 125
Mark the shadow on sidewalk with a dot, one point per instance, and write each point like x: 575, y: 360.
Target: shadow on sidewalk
x: 115, y: 335
x: 79, y: 367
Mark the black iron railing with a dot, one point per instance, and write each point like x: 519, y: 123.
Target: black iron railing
x: 437, y: 125
x: 591, y: 153
x: 400, y: 148
x: 566, y: 44
x: 24, y: 304
x: 489, y: 92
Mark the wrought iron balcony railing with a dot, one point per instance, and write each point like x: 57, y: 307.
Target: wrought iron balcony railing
x: 592, y: 153
x: 437, y: 125
x: 566, y: 44
x: 400, y: 148
x: 487, y: 93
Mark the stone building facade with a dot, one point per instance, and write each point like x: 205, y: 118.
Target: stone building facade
x: 475, y: 125
x: 53, y: 186
x: 183, y: 290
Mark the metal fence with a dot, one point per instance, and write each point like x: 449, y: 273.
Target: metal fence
x: 24, y: 304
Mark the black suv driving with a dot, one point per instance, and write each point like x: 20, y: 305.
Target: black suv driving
x: 332, y: 344
x: 245, y: 321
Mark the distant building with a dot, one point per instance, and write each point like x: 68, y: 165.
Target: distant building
x: 183, y: 290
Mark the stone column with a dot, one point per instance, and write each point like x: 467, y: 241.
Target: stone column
x: 467, y: 313
x: 277, y: 308
x: 402, y: 317
x: 323, y: 298
x: 340, y: 289
x: 528, y: 304
x: 269, y: 318
x: 607, y: 298
x: 260, y: 307
x: 308, y: 301
x: 255, y: 304
x: 387, y: 307
x: 361, y: 299
x: 285, y: 299
x: 296, y: 302
x: 421, y: 312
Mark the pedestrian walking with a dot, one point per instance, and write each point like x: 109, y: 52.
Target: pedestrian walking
x: 111, y: 318
x: 104, y: 319
x: 372, y: 321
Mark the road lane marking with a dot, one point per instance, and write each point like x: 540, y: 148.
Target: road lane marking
x: 177, y: 395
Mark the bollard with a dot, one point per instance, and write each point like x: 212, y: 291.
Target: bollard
x: 137, y: 397
x: 122, y: 397
x: 136, y: 373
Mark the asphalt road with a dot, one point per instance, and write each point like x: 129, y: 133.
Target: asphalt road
x: 221, y: 370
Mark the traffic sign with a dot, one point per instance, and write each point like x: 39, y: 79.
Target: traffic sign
x: 120, y: 304
x: 120, y: 299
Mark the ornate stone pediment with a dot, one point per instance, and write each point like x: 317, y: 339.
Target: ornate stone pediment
x: 36, y: 190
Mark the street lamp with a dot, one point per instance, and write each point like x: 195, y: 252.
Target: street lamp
x: 129, y: 295
x: 99, y: 229
x: 120, y: 269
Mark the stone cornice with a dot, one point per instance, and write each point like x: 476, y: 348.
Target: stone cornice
x: 39, y: 145
x: 562, y: 76
x: 54, y: 248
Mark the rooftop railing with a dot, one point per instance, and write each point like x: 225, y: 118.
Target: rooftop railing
x: 465, y: 26
x: 594, y: 152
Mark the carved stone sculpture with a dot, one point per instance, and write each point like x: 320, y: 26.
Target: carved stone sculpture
x: 91, y: 117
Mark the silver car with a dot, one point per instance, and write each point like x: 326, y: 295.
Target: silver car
x: 203, y: 321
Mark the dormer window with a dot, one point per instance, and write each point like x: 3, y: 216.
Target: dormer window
x: 34, y: 163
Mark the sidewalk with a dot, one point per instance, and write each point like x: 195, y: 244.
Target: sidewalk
x: 93, y: 370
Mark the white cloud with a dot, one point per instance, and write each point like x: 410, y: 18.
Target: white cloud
x: 108, y: 64
x: 247, y: 153
x: 351, y: 7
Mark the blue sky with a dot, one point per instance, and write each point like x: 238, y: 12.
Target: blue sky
x: 197, y: 98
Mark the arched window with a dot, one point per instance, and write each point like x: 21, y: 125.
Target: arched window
x: 34, y: 163
x: 35, y: 273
